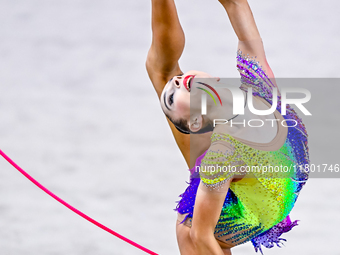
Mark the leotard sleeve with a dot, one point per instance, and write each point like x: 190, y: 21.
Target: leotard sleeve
x: 219, y: 164
x: 255, y: 49
x: 254, y: 68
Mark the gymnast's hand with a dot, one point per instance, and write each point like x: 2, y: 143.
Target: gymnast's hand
x: 223, y: 2
x: 241, y: 19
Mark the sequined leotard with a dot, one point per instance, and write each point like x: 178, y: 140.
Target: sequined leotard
x: 255, y: 209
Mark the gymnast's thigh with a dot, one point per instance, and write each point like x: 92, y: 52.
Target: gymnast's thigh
x: 184, y: 241
x: 185, y: 244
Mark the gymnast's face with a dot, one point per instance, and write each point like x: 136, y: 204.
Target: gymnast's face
x: 175, y: 98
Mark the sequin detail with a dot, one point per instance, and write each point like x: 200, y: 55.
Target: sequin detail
x: 272, y: 236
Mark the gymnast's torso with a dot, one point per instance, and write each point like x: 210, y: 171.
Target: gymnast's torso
x: 270, y: 175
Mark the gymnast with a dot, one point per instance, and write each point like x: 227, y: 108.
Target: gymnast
x: 223, y: 209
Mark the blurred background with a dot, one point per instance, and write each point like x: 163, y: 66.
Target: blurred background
x: 78, y: 112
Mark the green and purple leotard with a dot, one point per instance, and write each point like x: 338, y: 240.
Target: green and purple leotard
x: 257, y: 207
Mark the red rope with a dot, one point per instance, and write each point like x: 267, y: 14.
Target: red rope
x: 74, y: 209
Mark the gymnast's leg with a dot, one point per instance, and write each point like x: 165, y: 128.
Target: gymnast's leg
x: 185, y: 244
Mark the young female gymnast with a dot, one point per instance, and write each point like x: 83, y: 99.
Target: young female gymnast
x: 231, y: 207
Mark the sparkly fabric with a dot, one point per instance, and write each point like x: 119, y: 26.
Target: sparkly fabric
x: 258, y: 208
x: 272, y: 236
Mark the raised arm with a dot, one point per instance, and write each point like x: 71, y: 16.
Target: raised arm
x: 167, y: 44
x: 162, y: 60
x: 243, y: 23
